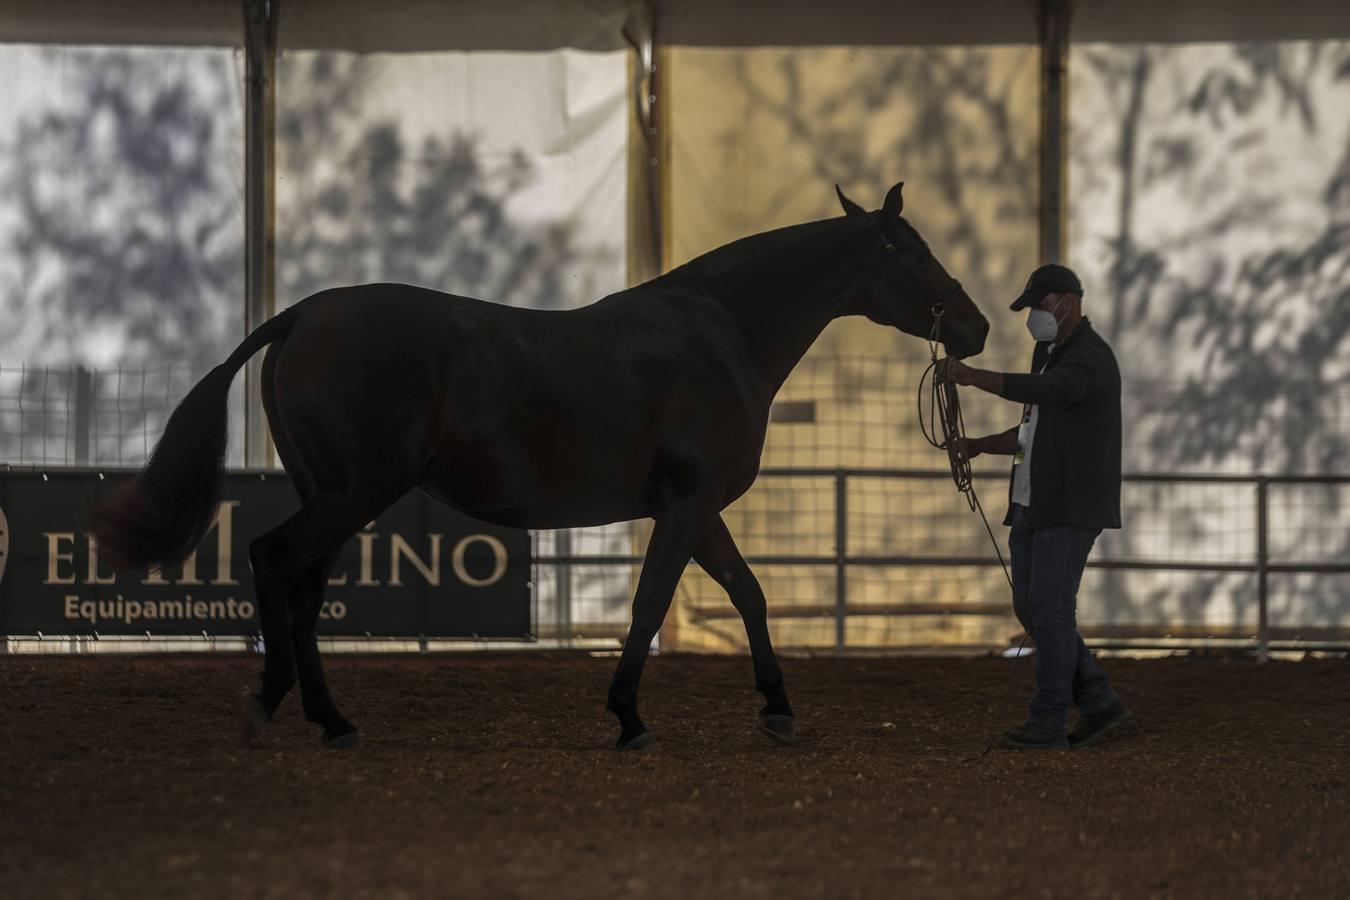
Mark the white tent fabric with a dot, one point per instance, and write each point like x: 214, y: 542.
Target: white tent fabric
x: 123, y: 199
x: 1210, y: 222
x: 121, y: 222
x: 497, y: 175
x: 1210, y: 189
x: 500, y: 175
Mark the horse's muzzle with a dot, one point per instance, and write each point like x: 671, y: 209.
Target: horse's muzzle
x: 965, y: 339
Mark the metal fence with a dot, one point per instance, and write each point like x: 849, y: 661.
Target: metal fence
x: 1277, y: 536
x: 77, y: 416
x: 856, y: 557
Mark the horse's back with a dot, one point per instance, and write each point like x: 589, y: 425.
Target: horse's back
x: 520, y: 415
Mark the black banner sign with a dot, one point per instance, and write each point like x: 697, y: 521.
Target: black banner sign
x: 420, y: 569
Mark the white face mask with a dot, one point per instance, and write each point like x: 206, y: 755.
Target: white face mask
x: 1042, y: 324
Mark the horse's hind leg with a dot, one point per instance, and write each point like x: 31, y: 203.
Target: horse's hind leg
x: 278, y: 676
x: 722, y: 560
x: 286, y: 561
x: 306, y: 603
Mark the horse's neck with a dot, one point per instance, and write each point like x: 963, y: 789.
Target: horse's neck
x: 783, y: 298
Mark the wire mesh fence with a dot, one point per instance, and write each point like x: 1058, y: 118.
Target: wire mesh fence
x: 862, y: 412
x: 41, y: 414
x: 903, y: 562
x: 863, y: 556
x: 53, y: 416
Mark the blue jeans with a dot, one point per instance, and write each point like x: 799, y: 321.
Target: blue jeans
x: 1047, y: 565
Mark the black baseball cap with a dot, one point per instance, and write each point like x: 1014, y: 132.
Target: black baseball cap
x: 1051, y: 278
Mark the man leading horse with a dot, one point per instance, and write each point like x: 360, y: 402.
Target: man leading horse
x: 1064, y: 489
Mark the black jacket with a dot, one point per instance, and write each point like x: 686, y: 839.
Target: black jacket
x: 1075, y: 455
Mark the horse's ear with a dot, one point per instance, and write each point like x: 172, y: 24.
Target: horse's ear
x: 849, y: 206
x: 895, y: 203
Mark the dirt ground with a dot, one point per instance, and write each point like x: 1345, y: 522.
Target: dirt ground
x: 493, y: 776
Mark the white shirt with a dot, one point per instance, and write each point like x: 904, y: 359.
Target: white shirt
x: 1026, y: 436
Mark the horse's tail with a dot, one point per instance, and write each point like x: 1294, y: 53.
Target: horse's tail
x: 165, y: 512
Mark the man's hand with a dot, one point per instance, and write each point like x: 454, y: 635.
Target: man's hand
x: 960, y: 373
x: 1003, y: 443
x: 970, y: 447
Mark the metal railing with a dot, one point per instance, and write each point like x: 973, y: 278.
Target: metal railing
x: 65, y: 417
x: 1162, y: 635
x: 561, y: 560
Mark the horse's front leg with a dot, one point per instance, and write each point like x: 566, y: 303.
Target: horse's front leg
x: 722, y: 560
x: 679, y: 529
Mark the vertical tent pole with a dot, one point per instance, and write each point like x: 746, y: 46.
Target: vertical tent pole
x: 1054, y: 36
x: 260, y: 51
x: 645, y: 176
x: 646, y: 258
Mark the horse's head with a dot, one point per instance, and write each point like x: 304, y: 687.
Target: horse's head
x: 908, y: 288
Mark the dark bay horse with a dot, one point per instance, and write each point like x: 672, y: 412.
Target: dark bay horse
x: 651, y: 402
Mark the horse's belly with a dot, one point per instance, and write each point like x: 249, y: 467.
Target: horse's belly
x: 518, y: 490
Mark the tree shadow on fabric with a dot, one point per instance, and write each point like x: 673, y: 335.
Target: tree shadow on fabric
x: 125, y: 241
x: 373, y: 205
x: 1231, y: 314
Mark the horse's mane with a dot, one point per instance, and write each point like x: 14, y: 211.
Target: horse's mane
x: 751, y: 247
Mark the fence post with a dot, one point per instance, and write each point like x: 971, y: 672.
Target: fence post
x: 4, y: 550
x: 1262, y: 570
x: 84, y: 408
x: 840, y: 555
x: 562, y: 616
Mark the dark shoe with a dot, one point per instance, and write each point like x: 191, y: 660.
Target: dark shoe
x: 1095, y: 726
x: 1033, y: 737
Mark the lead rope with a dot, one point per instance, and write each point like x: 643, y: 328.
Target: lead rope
x: 944, y: 415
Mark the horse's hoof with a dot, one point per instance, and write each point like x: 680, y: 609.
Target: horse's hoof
x: 638, y: 741
x: 779, y: 727
x: 253, y: 717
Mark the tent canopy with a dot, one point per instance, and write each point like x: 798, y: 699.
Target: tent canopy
x: 428, y: 25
